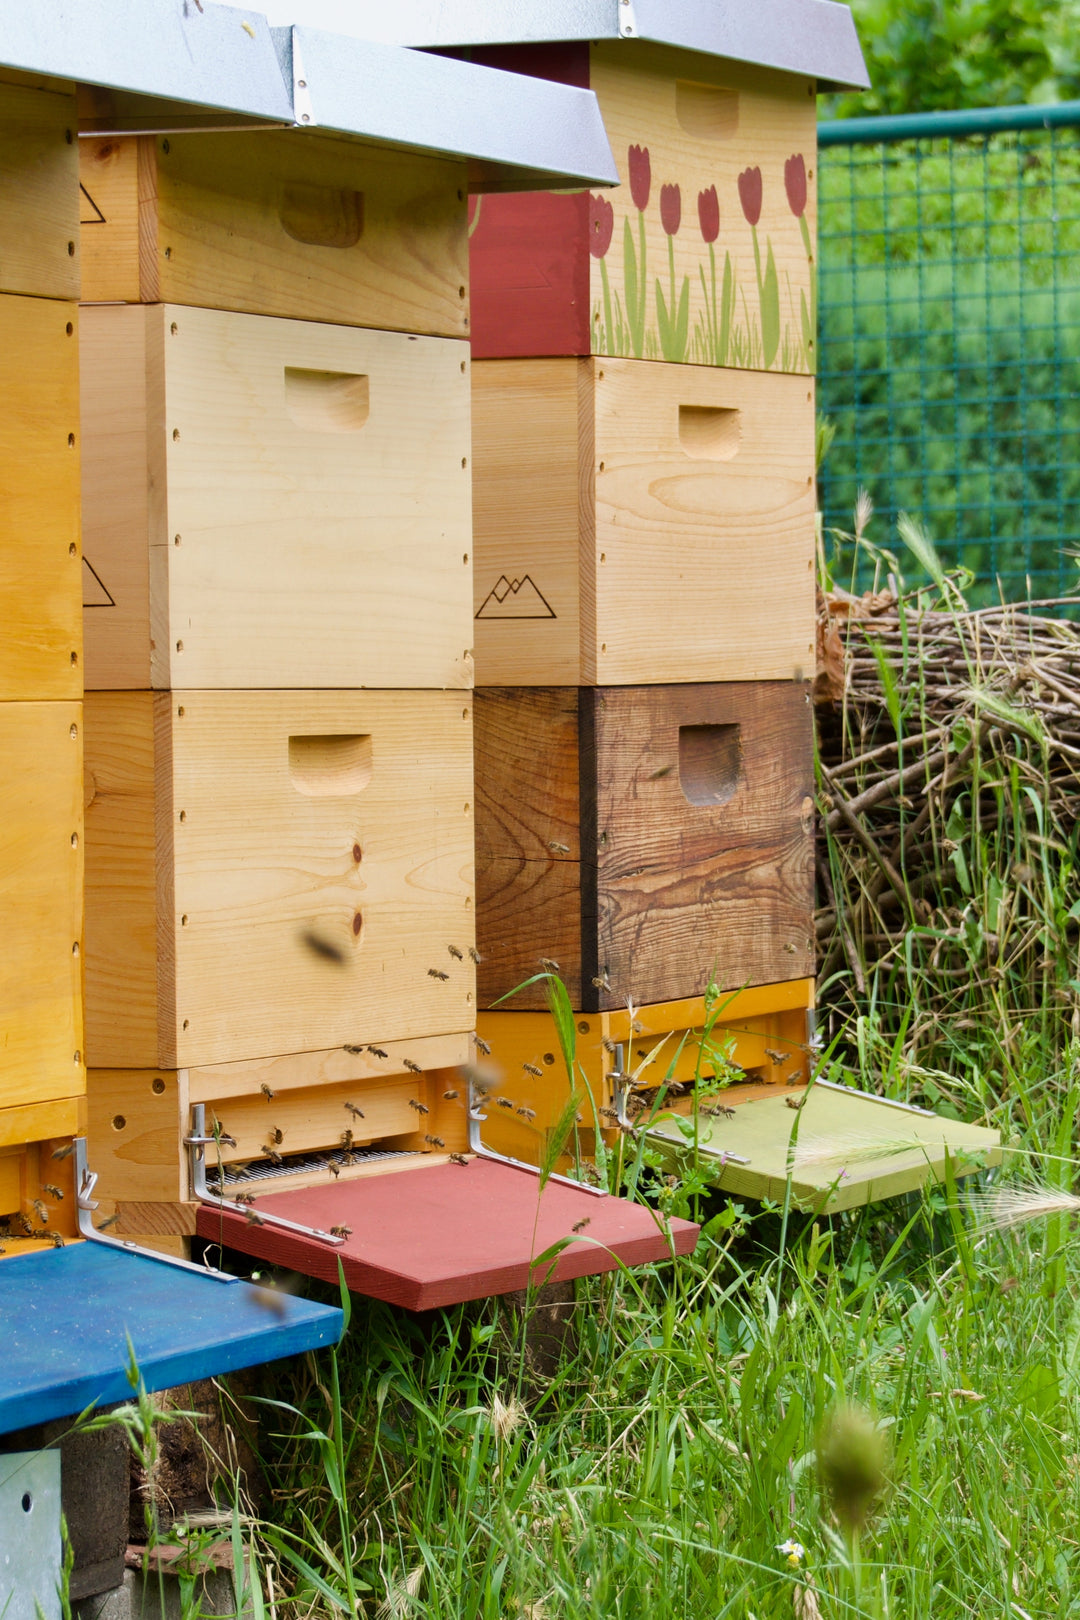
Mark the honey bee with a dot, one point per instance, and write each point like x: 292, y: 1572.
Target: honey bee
x: 110, y: 1220
x: 353, y: 1051
x: 455, y: 953
x: 450, y: 1096
x: 221, y: 1136
x: 638, y: 1027
x: 240, y: 1170
x: 503, y: 1102
x: 531, y: 1068
x: 347, y: 1141
x: 458, y: 1158
x: 55, y: 1239
x: 608, y: 1113
x: 549, y: 966
x: 40, y: 1211
x: 579, y: 1226
x: 24, y: 1222
x: 437, y: 973
x: 324, y: 948
x: 777, y: 1057
x: 243, y: 1198
x: 719, y: 1110
x: 608, y: 1044
x: 341, y: 1231
x: 558, y: 849
x: 53, y: 1192
x: 475, y: 954
x: 357, y: 1113
x: 377, y: 1051
x: 328, y: 1164
x: 269, y: 1153
x: 419, y: 1106
x: 602, y: 982
x: 795, y: 1102
x: 434, y: 1141
x: 527, y: 1113
x: 266, y: 1091
x: 64, y: 1152
x: 481, y: 1045
x: 413, y: 1068
x: 252, y: 1219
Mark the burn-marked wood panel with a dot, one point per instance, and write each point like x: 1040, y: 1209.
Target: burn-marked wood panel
x: 690, y: 850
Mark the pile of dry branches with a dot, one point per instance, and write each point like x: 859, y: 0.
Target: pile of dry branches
x: 949, y: 743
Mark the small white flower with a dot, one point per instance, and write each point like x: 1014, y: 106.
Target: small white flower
x: 792, y: 1552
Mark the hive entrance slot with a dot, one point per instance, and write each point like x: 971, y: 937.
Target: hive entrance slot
x: 327, y: 401
x: 710, y: 763
x: 330, y: 767
x: 323, y: 216
x: 709, y: 432
x: 710, y: 112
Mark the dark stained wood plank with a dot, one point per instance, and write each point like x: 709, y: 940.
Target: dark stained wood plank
x: 526, y: 910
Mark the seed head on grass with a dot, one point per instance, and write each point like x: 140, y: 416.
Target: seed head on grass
x: 398, y: 1601
x: 505, y: 1416
x: 1005, y: 1207
x: 853, y: 1459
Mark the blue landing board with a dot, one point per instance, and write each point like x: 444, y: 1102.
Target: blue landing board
x: 66, y: 1316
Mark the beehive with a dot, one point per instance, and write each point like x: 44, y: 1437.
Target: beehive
x: 647, y: 839
x: 39, y: 189
x: 640, y: 522
x: 315, y: 229
x: 273, y: 503
x: 705, y: 253
x: 275, y: 872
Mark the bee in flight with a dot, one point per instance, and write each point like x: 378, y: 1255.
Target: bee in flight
x: 450, y: 1096
x: 531, y: 1068
x: 434, y: 1141
x: 504, y: 1102
x: 40, y: 1211
x: 64, y: 1152
x: 357, y: 1113
x: 53, y: 1192
x: 413, y: 1068
x: 475, y: 954
x: 549, y: 966
x: 455, y: 953
x: 437, y: 973
x: 481, y: 1045
x: 376, y: 1051
x: 579, y: 1226
x: 110, y: 1220
x: 419, y: 1106
x: 271, y: 1154
x: 527, y: 1113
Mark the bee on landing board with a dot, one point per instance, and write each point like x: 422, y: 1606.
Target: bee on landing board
x: 458, y: 1158
x: 341, y: 1231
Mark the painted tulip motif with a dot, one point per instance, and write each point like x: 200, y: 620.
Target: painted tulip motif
x: 717, y: 320
x: 751, y: 196
x: 796, y: 186
x: 601, y: 228
x: 635, y: 281
x: 672, y: 318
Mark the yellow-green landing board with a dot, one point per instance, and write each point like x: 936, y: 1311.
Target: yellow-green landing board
x: 852, y: 1148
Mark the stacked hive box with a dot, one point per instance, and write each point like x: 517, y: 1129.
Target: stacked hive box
x: 644, y: 508
x: 42, y: 1077
x: 275, y: 391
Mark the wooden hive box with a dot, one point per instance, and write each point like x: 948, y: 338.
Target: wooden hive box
x: 648, y: 839
x: 355, y: 1105
x: 40, y: 596
x: 271, y: 872
x: 272, y: 503
x: 638, y: 523
x: 749, y: 1037
x: 41, y: 866
x: 39, y: 189
x: 268, y: 223
x: 704, y: 255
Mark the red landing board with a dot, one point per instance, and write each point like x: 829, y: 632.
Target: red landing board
x: 444, y: 1233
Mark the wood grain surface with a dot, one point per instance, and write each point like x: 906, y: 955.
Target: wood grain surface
x: 694, y: 848
x: 266, y: 223
x: 40, y: 581
x: 39, y: 191
x: 275, y: 503
x: 41, y: 903
x: 272, y: 872
x: 641, y: 522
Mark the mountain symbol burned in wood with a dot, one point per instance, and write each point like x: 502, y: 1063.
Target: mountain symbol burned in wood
x: 515, y: 599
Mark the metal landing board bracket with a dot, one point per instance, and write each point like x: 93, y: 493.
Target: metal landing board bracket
x: 196, y: 1144
x: 86, y: 1203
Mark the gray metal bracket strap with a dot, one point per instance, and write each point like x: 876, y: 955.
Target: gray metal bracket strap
x: 477, y: 1117
x: 86, y: 1203
x: 196, y: 1145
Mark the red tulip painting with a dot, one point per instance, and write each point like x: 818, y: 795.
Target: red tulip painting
x: 672, y: 319
x: 717, y: 320
x: 796, y: 186
x: 601, y: 228
x: 752, y: 196
x: 635, y: 281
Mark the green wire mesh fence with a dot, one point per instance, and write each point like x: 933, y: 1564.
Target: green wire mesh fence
x: 949, y: 343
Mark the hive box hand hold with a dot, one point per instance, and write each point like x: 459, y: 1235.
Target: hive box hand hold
x: 267, y: 872
x: 641, y: 523
x: 268, y: 224
x: 648, y: 839
x: 272, y: 503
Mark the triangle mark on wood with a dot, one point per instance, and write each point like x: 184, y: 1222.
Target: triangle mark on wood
x: 94, y: 593
x: 96, y: 217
